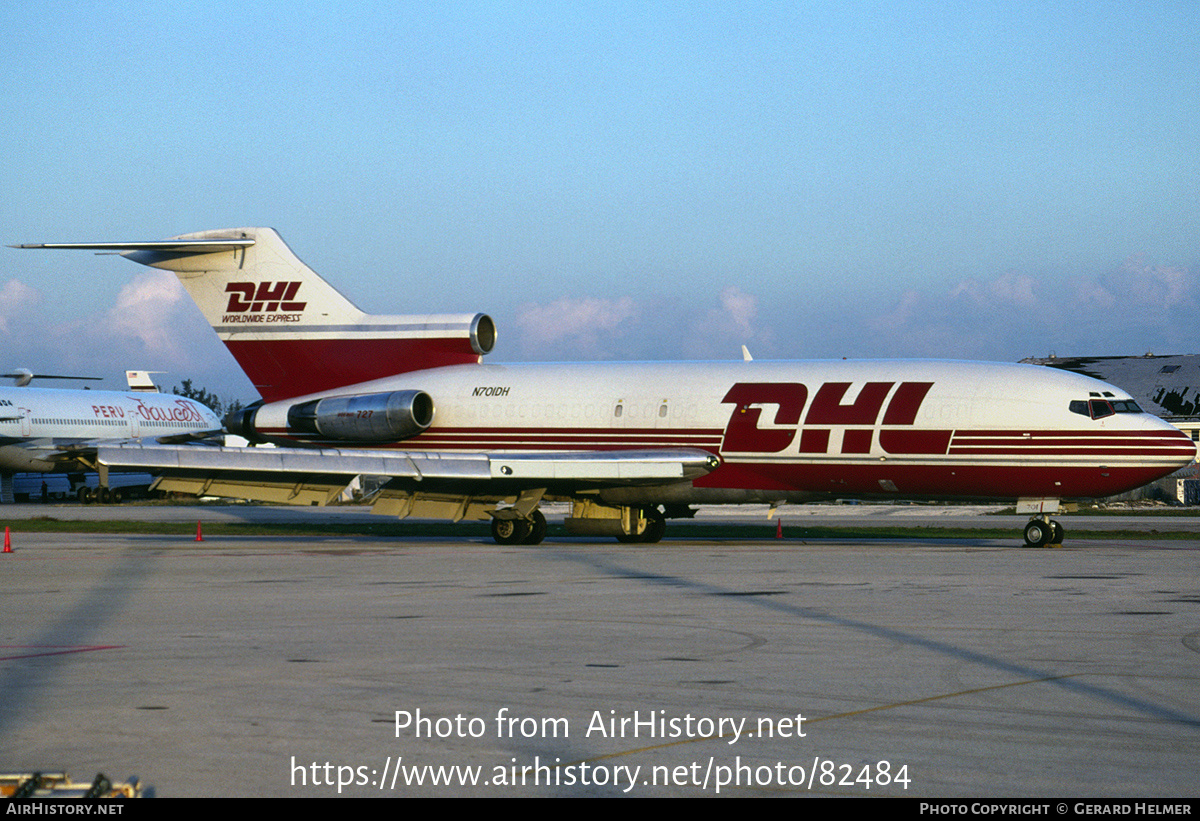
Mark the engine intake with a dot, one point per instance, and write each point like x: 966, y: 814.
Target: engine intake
x: 372, y: 417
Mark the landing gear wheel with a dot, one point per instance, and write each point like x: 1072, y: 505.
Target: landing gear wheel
x: 510, y: 531
x: 1038, y: 533
x: 656, y: 526
x: 1059, y: 532
x: 84, y: 495
x: 537, y: 528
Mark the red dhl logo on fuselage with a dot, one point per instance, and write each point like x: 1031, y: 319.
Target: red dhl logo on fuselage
x: 743, y: 434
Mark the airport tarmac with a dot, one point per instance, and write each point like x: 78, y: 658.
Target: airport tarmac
x: 277, y: 666
x: 1154, y: 519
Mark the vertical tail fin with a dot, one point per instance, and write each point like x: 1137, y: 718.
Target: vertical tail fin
x: 291, y: 332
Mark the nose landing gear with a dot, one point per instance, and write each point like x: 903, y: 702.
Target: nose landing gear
x: 1042, y: 531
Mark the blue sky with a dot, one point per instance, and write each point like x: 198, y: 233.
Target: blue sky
x: 619, y: 181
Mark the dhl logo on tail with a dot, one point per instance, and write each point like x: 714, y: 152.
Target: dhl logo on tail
x: 267, y: 297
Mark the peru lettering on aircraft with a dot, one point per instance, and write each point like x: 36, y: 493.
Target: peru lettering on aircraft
x: 50, y: 430
x: 627, y: 444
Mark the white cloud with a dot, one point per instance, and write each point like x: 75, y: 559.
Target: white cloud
x: 16, y: 298
x: 583, y: 325
x: 740, y: 309
x: 146, y: 310
x: 1134, y: 307
x: 720, y: 332
x: 1092, y: 296
x: 1010, y: 288
x: 1162, y: 288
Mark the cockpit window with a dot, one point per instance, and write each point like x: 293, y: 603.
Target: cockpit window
x: 1100, y: 408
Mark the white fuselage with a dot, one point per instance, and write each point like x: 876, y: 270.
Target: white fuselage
x: 912, y: 429
x: 40, y: 427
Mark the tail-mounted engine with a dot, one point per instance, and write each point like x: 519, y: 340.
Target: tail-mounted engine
x: 372, y: 417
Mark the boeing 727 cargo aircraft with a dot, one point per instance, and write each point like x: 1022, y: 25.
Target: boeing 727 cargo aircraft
x: 627, y: 444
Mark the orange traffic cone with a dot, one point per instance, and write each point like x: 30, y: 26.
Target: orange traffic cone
x: 7, y: 541
x: 779, y: 528
x: 199, y: 535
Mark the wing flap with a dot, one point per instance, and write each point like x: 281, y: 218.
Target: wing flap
x: 299, y: 493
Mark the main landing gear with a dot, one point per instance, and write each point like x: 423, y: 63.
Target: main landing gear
x: 1042, y: 531
x: 649, y: 528
x: 631, y: 525
x: 520, y: 531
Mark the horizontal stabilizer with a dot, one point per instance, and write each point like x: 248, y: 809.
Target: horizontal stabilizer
x: 165, y: 246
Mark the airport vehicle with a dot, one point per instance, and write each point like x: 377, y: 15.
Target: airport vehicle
x: 628, y: 444
x: 60, y: 787
x: 84, y: 487
x: 51, y: 430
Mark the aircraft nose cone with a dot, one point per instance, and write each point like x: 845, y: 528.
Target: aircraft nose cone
x: 1177, y: 444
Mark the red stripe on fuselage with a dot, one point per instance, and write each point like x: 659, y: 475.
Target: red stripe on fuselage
x: 932, y: 481
x: 920, y: 442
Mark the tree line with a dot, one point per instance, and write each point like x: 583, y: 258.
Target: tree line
x: 220, y: 407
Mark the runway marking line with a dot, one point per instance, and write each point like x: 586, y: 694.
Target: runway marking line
x: 53, y: 650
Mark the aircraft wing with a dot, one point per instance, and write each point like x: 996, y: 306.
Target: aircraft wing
x: 197, y: 436
x: 86, y: 452
x: 467, y: 484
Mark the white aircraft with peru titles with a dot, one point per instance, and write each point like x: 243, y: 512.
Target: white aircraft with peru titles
x: 629, y: 445
x: 53, y: 430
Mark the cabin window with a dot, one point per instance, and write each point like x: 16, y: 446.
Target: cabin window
x: 1079, y: 406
